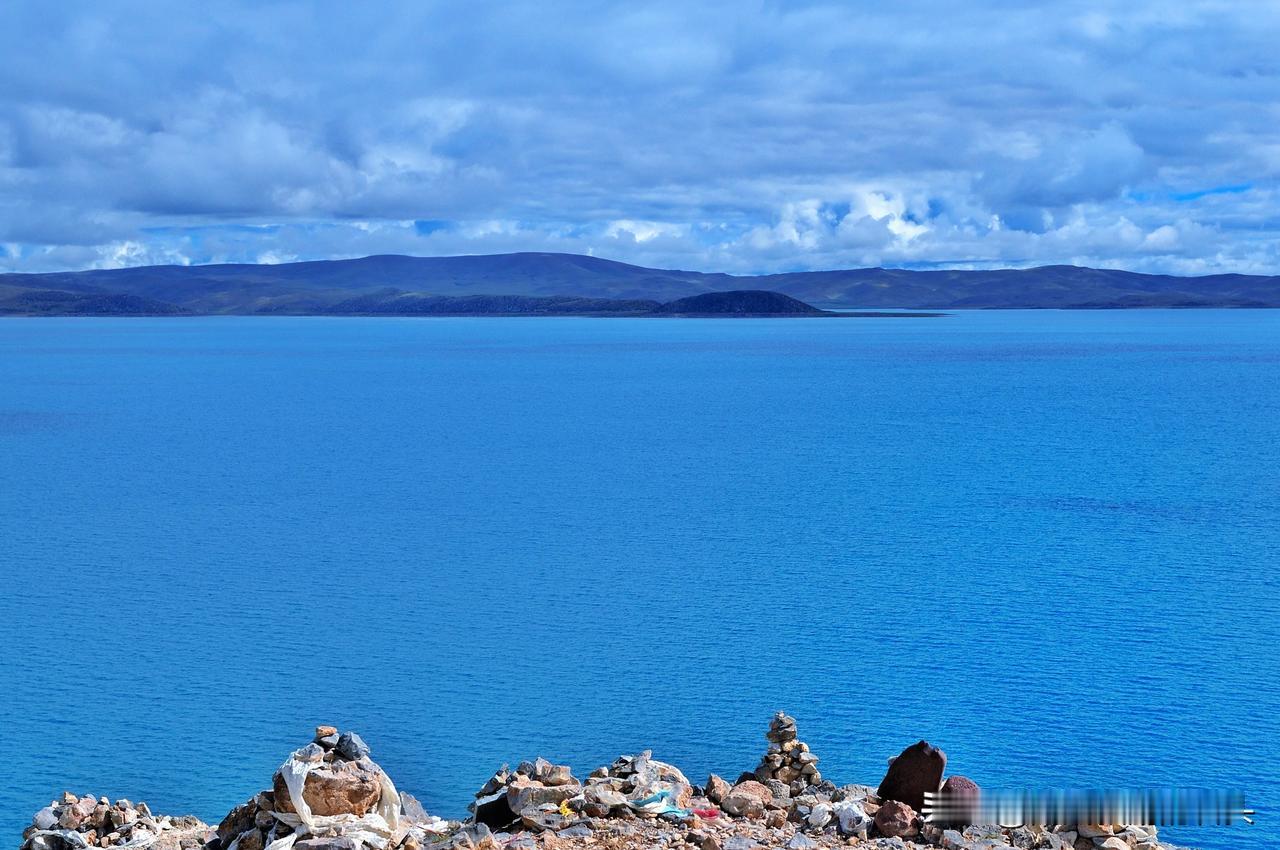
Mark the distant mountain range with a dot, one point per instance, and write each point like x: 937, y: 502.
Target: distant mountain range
x: 504, y: 284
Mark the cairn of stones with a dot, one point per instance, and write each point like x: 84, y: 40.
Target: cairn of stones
x: 76, y: 823
x: 788, y: 759
x: 344, y: 790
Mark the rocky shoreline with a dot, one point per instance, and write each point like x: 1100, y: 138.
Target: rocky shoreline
x: 330, y: 795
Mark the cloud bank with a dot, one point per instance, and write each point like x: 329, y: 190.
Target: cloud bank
x: 734, y: 136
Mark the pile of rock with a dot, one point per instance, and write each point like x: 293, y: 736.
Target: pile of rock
x: 540, y: 796
x: 76, y: 823
x: 788, y: 759
x: 524, y: 796
x: 329, y: 795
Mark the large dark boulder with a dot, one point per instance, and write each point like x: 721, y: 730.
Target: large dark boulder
x: 913, y: 773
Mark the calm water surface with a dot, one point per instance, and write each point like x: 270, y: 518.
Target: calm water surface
x: 1046, y: 541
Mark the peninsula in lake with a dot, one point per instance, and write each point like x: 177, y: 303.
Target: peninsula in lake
x: 570, y: 284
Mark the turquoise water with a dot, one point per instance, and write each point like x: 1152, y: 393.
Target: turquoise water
x: 1046, y: 541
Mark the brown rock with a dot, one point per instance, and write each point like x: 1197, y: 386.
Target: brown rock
x: 339, y: 788
x: 524, y: 793
x: 118, y: 818
x: 558, y: 774
x: 961, y: 795
x: 776, y: 818
x: 250, y: 840
x: 747, y: 799
x: 918, y: 769
x: 717, y: 789
x: 960, y: 787
x: 237, y: 821
x: 896, y: 820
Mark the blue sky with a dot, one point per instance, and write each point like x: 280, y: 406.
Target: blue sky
x: 736, y: 136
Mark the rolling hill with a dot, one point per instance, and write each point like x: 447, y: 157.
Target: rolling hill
x: 404, y: 285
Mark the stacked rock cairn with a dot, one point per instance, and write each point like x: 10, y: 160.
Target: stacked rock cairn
x: 343, y: 786
x: 788, y: 759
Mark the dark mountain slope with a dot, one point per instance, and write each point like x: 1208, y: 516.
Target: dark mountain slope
x: 318, y: 287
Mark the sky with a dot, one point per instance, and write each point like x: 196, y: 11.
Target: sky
x: 720, y: 136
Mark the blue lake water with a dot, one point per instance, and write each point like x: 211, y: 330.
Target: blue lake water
x: 1045, y: 541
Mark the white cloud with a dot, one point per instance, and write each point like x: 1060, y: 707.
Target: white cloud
x: 803, y: 136
x: 642, y: 231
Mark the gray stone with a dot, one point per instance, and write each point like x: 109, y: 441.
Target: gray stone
x: 800, y: 841
x: 740, y: 842
x: 538, y: 820
x: 1022, y: 838
x: 311, y: 752
x: 496, y: 782
x: 952, y: 840
x: 472, y: 833
x: 46, y: 818
x: 411, y: 809
x: 351, y: 746
x: 780, y: 790
x: 578, y: 830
